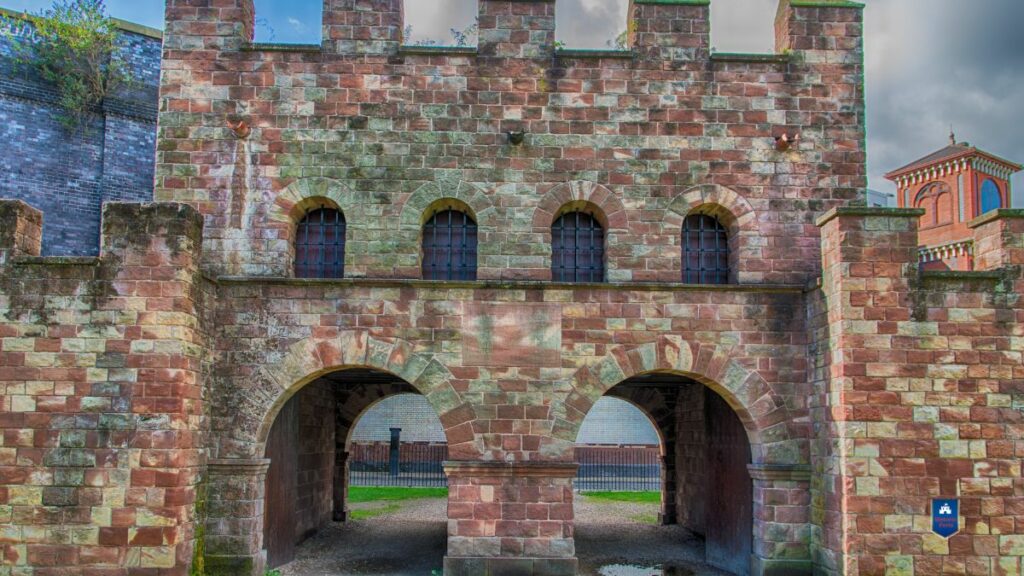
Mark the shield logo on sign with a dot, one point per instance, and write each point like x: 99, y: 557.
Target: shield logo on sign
x: 945, y: 517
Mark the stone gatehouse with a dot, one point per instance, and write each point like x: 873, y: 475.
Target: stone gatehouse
x: 512, y: 231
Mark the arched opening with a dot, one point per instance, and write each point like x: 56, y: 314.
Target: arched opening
x: 441, y: 23
x: 577, y: 246
x: 450, y: 246
x: 295, y: 22
x: 991, y: 199
x: 590, y: 25
x: 320, y: 244
x: 355, y: 477
x: 703, y: 516
x: 706, y: 250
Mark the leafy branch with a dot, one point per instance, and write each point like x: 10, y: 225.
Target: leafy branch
x: 460, y: 38
x: 73, y: 49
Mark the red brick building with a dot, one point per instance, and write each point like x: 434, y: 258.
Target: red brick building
x: 513, y: 231
x: 953, y: 186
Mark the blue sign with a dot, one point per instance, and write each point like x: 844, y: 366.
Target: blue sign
x: 945, y: 517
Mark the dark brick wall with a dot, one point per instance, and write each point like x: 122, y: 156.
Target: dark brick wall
x: 68, y: 175
x: 315, y: 480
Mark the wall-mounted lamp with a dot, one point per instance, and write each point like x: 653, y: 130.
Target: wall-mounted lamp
x: 785, y: 142
x: 241, y: 129
x: 516, y: 138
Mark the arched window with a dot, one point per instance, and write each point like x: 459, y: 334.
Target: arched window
x: 925, y: 200
x: 449, y: 247
x: 705, y: 250
x: 944, y: 208
x: 320, y: 245
x: 577, y: 248
x: 991, y: 199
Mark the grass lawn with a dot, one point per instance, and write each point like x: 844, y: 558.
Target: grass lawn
x: 358, y: 494
x: 364, y: 513
x: 651, y: 497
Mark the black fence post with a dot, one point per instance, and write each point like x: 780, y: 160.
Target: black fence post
x: 396, y: 442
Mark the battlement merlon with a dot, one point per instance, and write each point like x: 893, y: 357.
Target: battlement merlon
x: 826, y: 31
x: 21, y: 230
x: 999, y: 239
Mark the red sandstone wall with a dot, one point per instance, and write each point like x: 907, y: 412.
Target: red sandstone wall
x: 385, y: 133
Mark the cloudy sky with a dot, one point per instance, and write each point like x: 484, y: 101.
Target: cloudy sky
x: 930, y: 63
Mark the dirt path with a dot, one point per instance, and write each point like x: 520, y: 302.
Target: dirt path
x: 612, y: 539
x: 408, y: 541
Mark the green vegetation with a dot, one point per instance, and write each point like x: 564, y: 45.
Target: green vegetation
x: 645, y: 518
x: 364, y: 513
x: 651, y: 497
x: 273, y: 573
x: 73, y: 49
x: 358, y: 494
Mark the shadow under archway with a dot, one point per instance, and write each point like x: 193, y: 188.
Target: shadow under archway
x: 308, y: 524
x: 705, y: 520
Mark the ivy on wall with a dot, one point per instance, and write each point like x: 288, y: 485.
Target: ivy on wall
x: 73, y: 48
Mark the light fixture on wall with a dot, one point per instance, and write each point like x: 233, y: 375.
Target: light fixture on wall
x: 241, y: 129
x: 516, y: 137
x: 785, y: 142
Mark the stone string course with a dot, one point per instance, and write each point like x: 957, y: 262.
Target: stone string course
x: 140, y: 386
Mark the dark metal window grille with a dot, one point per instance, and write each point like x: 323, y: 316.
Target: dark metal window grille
x: 577, y: 249
x: 449, y: 247
x: 320, y: 245
x: 705, y: 251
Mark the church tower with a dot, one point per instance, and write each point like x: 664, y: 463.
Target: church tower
x: 954, y: 186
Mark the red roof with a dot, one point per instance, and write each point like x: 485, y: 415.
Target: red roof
x: 950, y: 152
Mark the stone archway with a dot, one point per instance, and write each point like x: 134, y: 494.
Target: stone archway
x: 777, y: 437
x: 236, y: 481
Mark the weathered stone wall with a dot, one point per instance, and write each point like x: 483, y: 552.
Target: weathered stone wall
x: 924, y: 398
x: 103, y: 441
x: 69, y: 174
x: 641, y: 139
x: 128, y: 376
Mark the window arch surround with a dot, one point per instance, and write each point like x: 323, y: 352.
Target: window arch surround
x: 449, y: 241
x: 733, y: 212
x: 578, y: 236
x: 936, y: 199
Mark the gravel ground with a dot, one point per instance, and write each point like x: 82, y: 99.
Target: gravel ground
x: 612, y: 539
x: 407, y: 542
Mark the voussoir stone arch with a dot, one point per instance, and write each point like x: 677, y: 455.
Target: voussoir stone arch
x: 580, y: 191
x: 255, y: 404
x: 304, y: 191
x: 777, y: 435
x: 728, y: 205
x: 480, y: 206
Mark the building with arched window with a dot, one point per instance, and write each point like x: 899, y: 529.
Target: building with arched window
x: 954, y: 186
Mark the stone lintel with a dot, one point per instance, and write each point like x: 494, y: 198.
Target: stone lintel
x: 516, y: 469
x: 866, y: 211
x: 784, y: 472
x: 238, y: 466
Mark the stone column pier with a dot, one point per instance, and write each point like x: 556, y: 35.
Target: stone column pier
x: 510, y: 518
x: 235, y: 506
